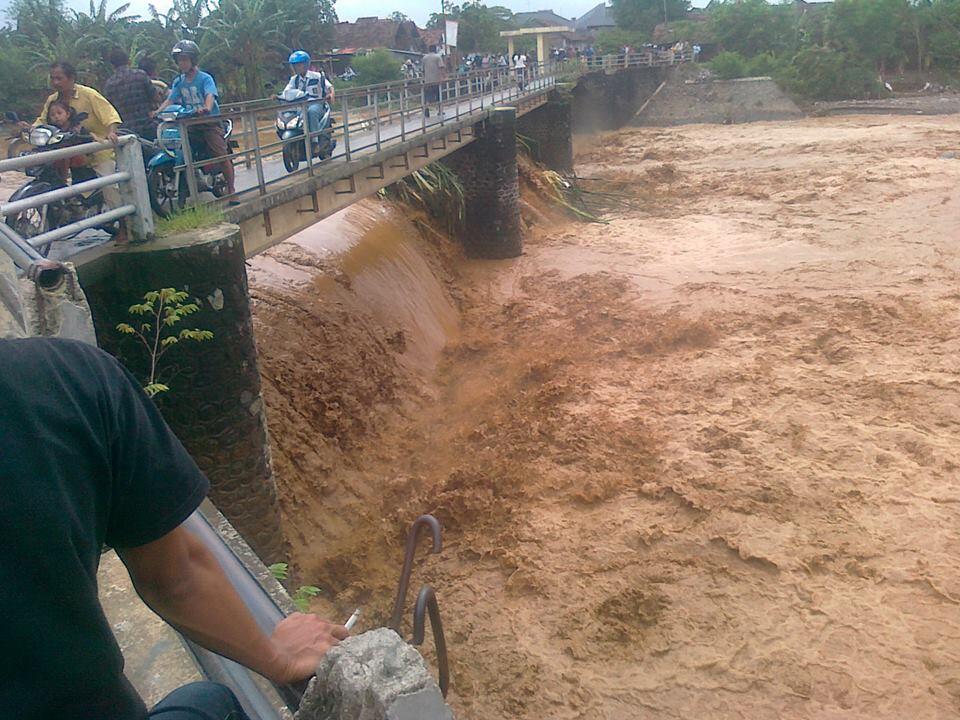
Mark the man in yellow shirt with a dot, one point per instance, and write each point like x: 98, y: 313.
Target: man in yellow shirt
x: 102, y: 119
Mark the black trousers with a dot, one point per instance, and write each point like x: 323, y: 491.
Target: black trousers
x: 199, y: 701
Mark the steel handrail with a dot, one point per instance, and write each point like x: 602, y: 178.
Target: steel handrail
x: 81, y: 225
x: 48, y: 156
x: 62, y: 193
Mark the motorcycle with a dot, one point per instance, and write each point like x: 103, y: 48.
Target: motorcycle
x: 290, y: 130
x: 53, y: 176
x: 166, y: 179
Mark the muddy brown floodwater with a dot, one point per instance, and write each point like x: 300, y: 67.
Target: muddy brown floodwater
x: 702, y: 461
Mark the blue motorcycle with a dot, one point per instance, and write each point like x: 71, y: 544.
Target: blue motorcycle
x: 290, y: 123
x: 166, y: 179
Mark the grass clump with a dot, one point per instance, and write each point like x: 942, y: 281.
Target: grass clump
x: 435, y: 188
x: 191, y: 218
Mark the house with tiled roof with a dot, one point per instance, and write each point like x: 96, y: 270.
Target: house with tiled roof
x: 595, y: 19
x: 369, y: 33
x: 540, y: 18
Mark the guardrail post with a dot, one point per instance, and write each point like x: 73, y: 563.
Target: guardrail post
x: 257, y: 156
x: 346, y: 127
x: 188, y: 162
x: 440, y: 93
x: 376, y: 117
x: 307, y: 138
x: 247, y: 135
x: 135, y: 191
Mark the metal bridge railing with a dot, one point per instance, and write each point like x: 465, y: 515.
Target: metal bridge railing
x: 130, y: 179
x: 372, y: 117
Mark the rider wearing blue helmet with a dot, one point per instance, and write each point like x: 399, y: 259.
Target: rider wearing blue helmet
x: 312, y: 83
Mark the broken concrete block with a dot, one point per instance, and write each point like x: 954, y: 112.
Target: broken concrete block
x: 373, y: 676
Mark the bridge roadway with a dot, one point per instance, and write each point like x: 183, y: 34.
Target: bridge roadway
x: 412, y: 124
x: 380, y: 154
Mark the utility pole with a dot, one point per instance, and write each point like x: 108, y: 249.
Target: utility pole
x: 443, y: 26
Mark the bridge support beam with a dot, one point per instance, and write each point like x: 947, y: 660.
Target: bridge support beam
x: 551, y: 129
x: 214, y: 403
x: 488, y: 169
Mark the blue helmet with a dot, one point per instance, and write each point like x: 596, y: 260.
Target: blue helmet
x: 298, y: 56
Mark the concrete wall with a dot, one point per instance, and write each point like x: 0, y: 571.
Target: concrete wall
x: 550, y: 128
x: 488, y: 169
x: 718, y: 101
x: 214, y: 405
x: 607, y: 102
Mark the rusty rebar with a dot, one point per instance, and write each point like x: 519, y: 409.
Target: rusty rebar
x: 427, y: 602
x: 411, y: 550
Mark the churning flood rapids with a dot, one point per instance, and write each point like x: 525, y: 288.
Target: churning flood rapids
x: 702, y: 461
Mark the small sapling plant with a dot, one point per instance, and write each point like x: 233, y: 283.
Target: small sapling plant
x: 301, y: 598
x: 157, y: 317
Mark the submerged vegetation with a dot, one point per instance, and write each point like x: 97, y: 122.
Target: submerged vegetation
x: 437, y: 189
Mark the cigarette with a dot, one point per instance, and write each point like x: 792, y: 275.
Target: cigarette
x: 352, y: 620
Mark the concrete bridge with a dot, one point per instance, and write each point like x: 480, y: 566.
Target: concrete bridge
x: 382, y: 135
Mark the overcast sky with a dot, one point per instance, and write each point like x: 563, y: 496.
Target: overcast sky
x: 419, y: 10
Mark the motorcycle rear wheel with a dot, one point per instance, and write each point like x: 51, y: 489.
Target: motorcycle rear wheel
x: 291, y: 160
x: 161, y: 193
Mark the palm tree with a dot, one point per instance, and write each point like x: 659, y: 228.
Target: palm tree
x: 244, y: 35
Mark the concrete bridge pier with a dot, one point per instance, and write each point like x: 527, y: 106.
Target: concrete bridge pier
x: 214, y: 404
x: 551, y: 128
x: 488, y: 169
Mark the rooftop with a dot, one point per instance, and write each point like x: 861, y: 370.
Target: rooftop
x: 600, y: 16
x: 540, y: 18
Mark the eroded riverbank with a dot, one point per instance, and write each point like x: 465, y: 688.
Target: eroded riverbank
x: 699, y: 462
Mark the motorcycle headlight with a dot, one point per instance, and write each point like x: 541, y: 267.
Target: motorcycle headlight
x: 167, y: 116
x: 293, y: 123
x: 281, y: 125
x: 40, y: 136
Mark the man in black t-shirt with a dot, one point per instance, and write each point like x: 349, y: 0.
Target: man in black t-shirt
x: 87, y: 460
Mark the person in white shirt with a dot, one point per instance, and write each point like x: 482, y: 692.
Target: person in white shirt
x: 312, y: 83
x: 520, y: 67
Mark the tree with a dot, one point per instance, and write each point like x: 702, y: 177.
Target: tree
x: 480, y: 28
x: 398, y: 16
x: 243, y: 35
x: 941, y: 22
x: 306, y: 24
x: 750, y: 27
x: 645, y: 15
x: 376, y: 67
x: 823, y: 73
x: 870, y: 29
x: 25, y: 96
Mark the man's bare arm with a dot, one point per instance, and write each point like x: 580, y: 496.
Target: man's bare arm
x: 184, y: 584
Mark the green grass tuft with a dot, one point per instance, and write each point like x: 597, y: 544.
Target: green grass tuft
x: 192, y: 218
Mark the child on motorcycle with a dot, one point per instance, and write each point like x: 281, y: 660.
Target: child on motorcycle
x: 65, y: 117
